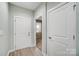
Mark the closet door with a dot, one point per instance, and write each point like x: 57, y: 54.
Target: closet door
x: 61, y: 30
x: 20, y: 33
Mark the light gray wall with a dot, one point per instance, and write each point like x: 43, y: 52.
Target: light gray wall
x: 77, y: 29
x: 18, y: 11
x: 4, y: 33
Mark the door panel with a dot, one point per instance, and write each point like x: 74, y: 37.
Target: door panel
x: 60, y: 31
x: 20, y: 32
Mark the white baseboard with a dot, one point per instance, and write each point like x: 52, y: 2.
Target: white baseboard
x: 44, y: 54
x: 10, y: 51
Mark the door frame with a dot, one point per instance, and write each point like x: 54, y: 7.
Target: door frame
x: 57, y: 6
x: 35, y: 31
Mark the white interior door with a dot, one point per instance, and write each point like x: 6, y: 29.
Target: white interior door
x: 61, y: 31
x: 20, y: 33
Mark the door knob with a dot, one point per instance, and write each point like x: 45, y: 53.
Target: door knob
x: 50, y: 37
x: 73, y: 37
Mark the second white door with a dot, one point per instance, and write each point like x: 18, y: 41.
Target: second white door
x: 61, y: 31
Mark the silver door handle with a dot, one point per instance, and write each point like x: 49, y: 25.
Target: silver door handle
x: 73, y: 37
x: 50, y: 37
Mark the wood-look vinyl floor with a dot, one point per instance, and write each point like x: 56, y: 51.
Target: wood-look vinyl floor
x: 34, y: 51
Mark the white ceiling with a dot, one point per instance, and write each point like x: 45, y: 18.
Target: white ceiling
x: 28, y: 5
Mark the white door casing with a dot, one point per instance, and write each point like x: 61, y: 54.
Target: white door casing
x: 61, y: 31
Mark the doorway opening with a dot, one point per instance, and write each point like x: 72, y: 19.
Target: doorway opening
x: 39, y: 33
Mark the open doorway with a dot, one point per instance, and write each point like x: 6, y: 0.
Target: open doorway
x: 39, y: 33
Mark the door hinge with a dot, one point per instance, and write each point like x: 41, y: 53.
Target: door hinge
x: 74, y: 6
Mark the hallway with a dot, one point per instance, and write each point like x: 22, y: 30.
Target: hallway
x: 38, y: 29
